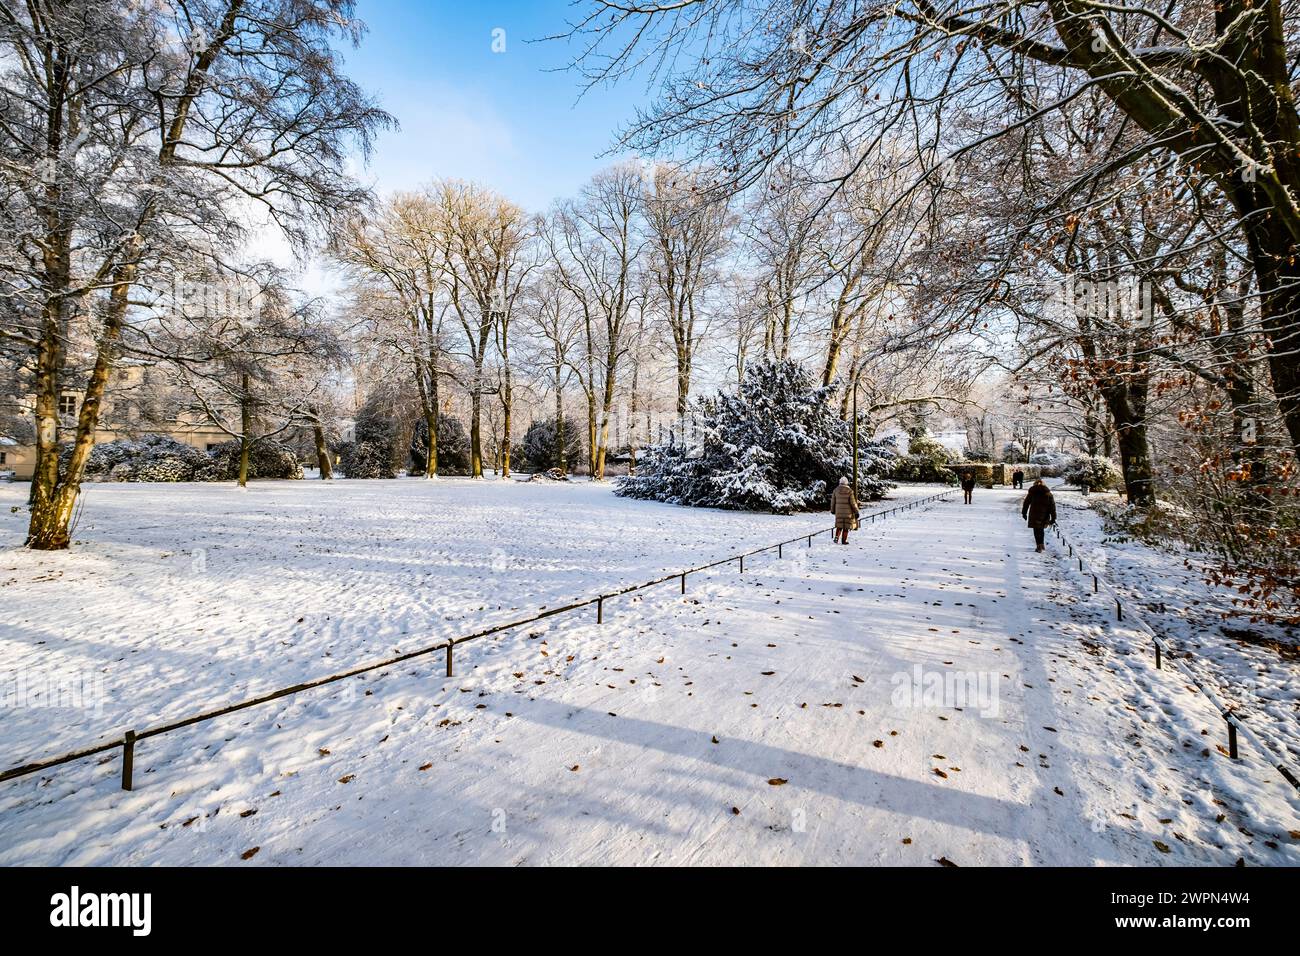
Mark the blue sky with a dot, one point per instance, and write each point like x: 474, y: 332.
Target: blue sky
x: 500, y: 119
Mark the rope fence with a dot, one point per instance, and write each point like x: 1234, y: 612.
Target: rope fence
x: 1163, y: 654
x: 130, y: 738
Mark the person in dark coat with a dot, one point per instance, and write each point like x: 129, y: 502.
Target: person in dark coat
x: 967, y: 485
x: 1017, y: 479
x: 1039, y: 510
x: 844, y: 505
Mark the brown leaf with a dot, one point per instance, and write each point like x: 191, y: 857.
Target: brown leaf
x: 1162, y: 847
x: 940, y: 773
x: 248, y: 813
x: 778, y: 781
x: 347, y: 778
x: 249, y: 854
x: 426, y: 766
x: 944, y: 861
x: 574, y: 768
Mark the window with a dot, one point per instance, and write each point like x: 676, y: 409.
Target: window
x: 2, y: 457
x: 67, y: 404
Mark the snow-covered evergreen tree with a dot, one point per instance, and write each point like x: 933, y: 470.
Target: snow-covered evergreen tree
x: 776, y: 445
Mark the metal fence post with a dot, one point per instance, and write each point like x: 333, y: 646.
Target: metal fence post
x: 600, y: 610
x: 1232, y: 740
x: 742, y: 564
x: 683, y: 582
x: 128, y: 758
x: 1157, y: 643
x: 449, y: 646
x: 1119, y: 610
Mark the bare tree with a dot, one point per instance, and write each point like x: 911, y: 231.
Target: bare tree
x: 688, y: 227
x: 596, y: 246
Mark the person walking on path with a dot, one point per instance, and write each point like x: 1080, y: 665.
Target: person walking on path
x: 1039, y: 510
x: 844, y: 505
x: 967, y: 485
x: 1017, y: 479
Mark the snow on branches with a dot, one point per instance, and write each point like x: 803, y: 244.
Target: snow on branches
x: 775, y: 445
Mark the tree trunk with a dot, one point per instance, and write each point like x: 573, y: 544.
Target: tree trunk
x: 54, y: 501
x: 245, y: 426
x: 1278, y: 276
x: 561, y: 439
x: 431, y: 454
x: 476, y: 433
x: 507, y: 403
x: 1134, y: 451
x: 606, y: 407
x: 322, y: 452
x: 591, y: 431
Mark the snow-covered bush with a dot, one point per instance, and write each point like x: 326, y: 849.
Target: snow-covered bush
x: 363, y: 459
x: 148, y: 458
x: 776, y: 445
x: 266, y: 459
x: 1053, y: 464
x: 926, y: 460
x: 1013, y: 452
x: 1095, y: 471
x: 453, y: 448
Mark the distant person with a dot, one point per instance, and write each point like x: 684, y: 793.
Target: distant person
x: 844, y: 505
x: 967, y: 485
x: 1017, y: 479
x: 1039, y: 509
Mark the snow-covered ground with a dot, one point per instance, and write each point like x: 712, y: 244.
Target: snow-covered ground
x: 933, y: 692
x: 1255, y: 668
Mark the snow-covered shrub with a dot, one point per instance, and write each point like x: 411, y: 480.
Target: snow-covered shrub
x: 1013, y: 452
x: 776, y: 445
x: 979, y: 455
x: 266, y: 459
x: 453, y: 447
x: 537, y: 450
x: 1052, y: 464
x: 1095, y: 471
x: 148, y: 458
x: 363, y: 459
x: 926, y: 460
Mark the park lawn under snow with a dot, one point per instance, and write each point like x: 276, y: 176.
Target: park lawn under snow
x: 779, y: 716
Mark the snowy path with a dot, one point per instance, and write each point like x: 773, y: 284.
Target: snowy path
x: 653, y: 738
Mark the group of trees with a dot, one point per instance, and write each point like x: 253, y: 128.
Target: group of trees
x: 140, y: 142
x: 612, y: 301
x: 1102, y: 197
